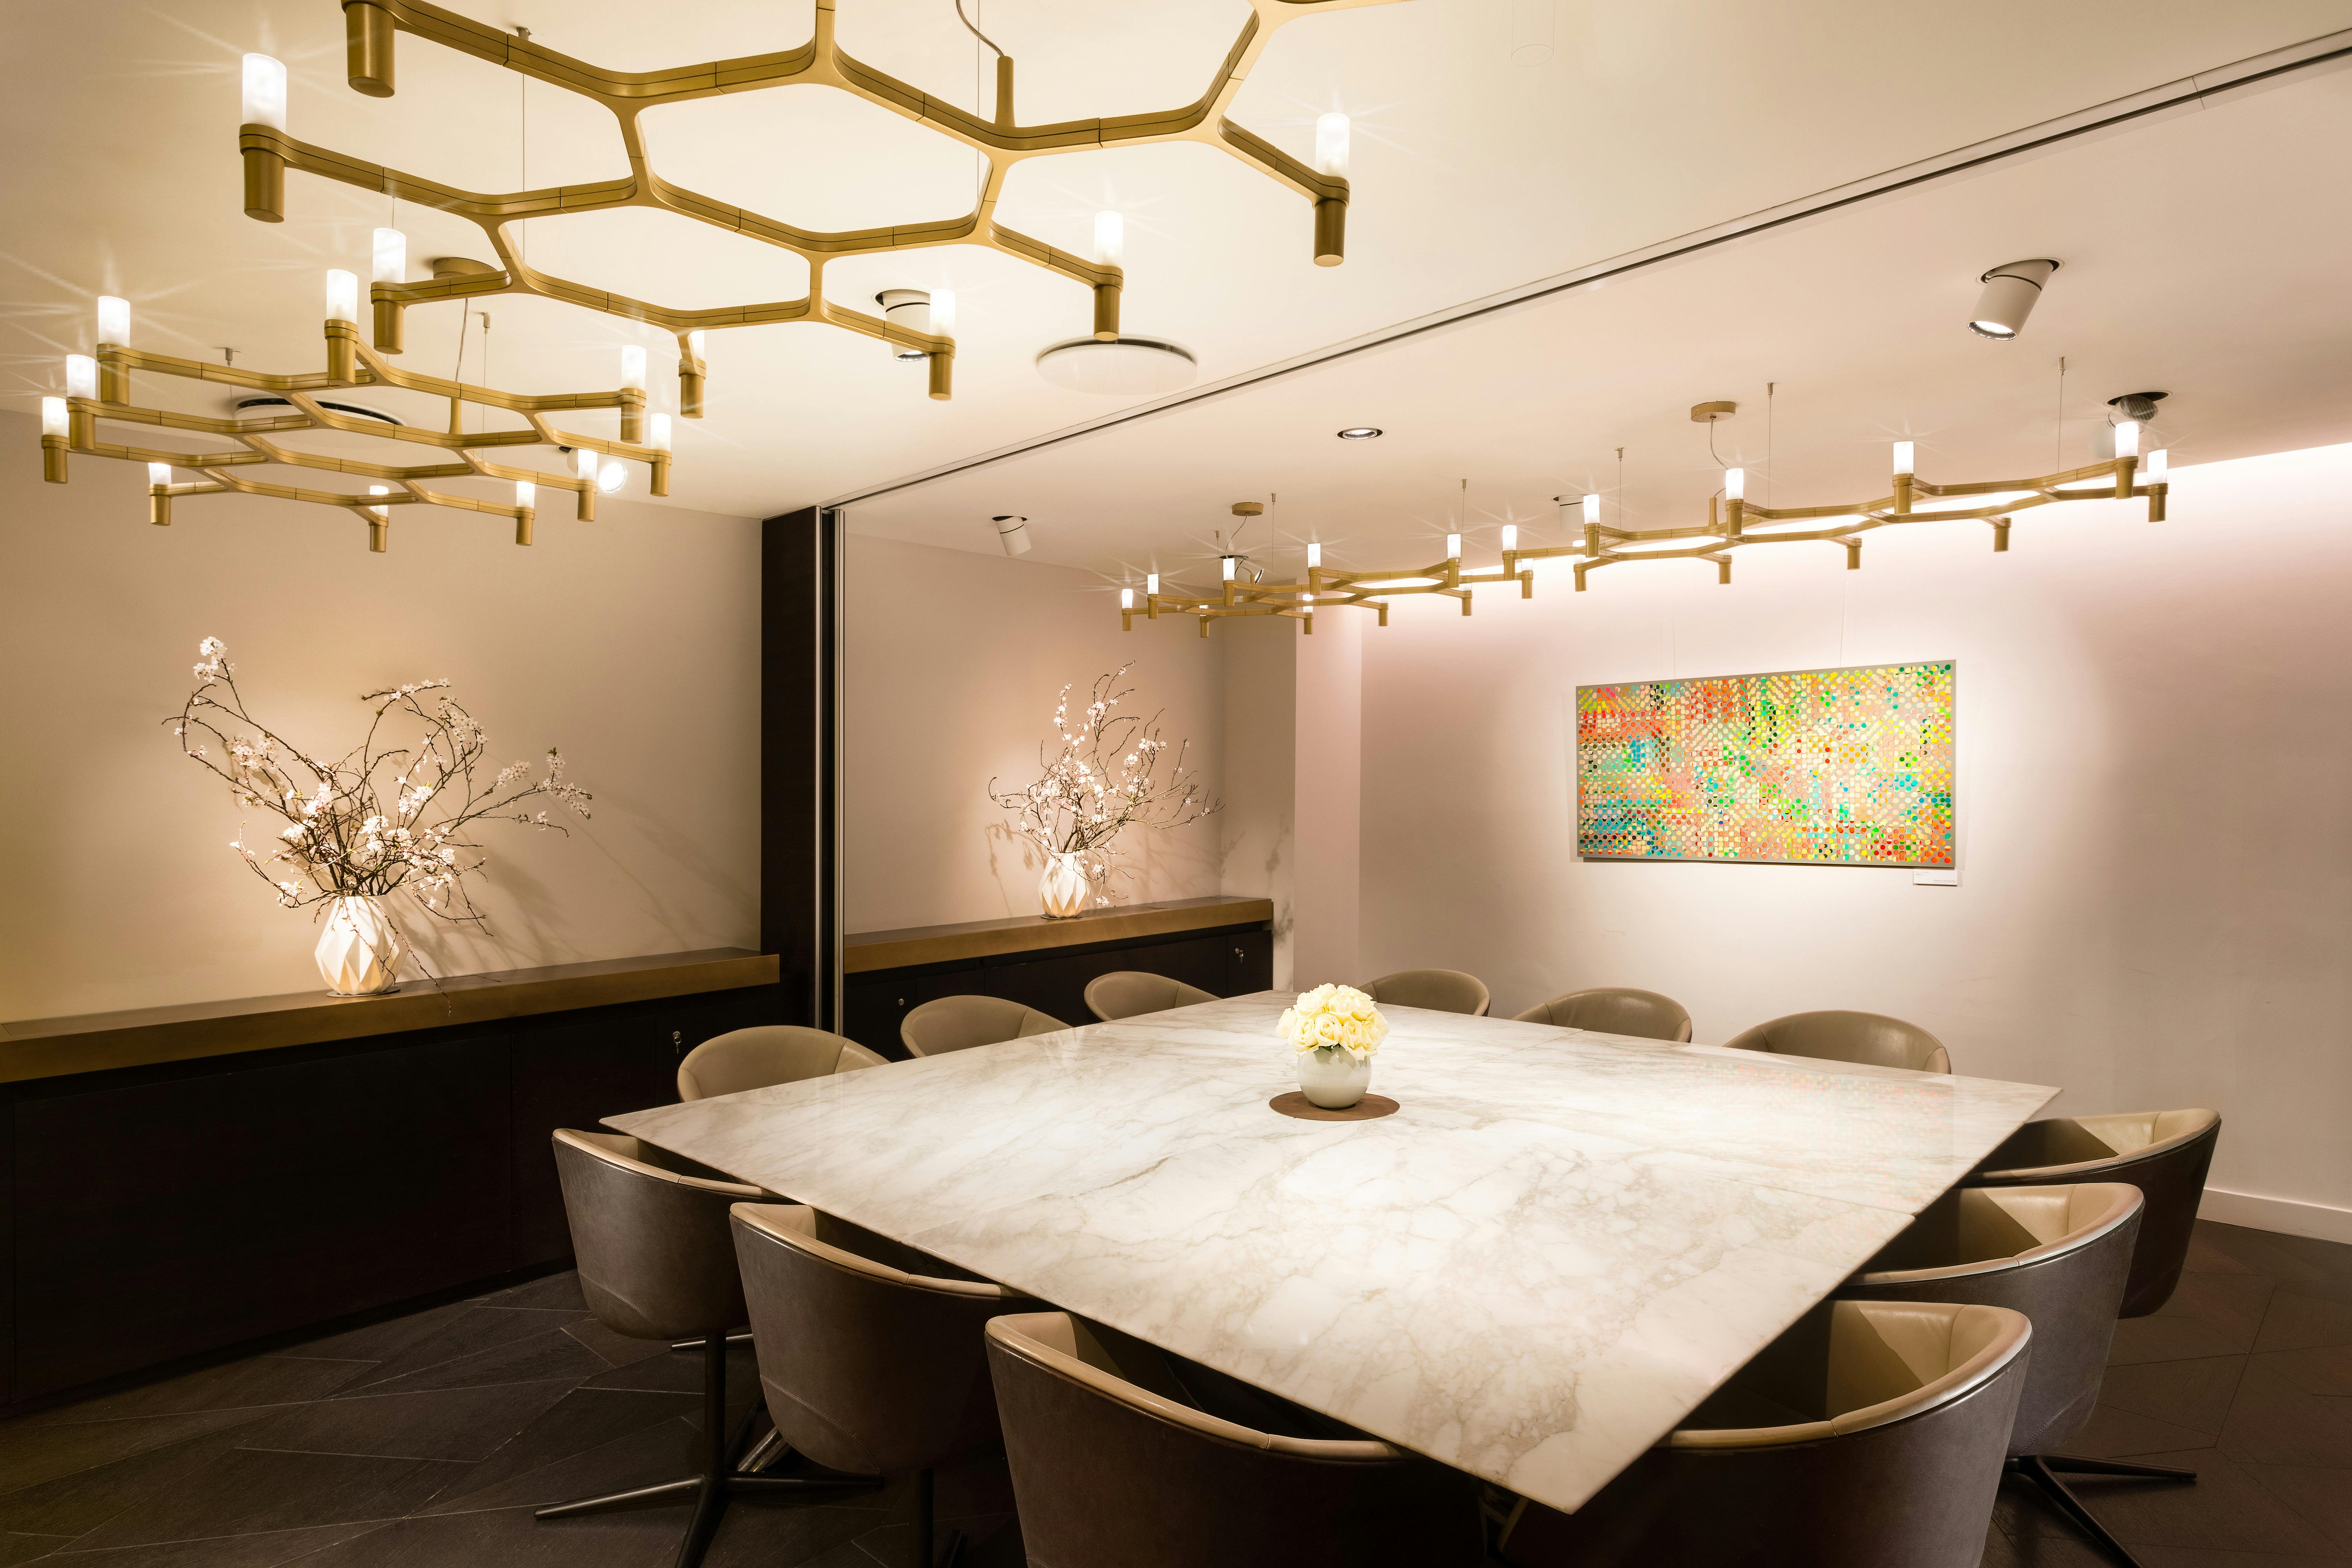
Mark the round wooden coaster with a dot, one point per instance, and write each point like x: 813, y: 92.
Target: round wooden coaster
x: 1365, y: 1110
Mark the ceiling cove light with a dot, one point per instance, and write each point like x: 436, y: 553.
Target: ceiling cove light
x: 1124, y: 368
x: 1361, y: 433
x: 2010, y: 292
x: 263, y: 417
x: 1001, y: 139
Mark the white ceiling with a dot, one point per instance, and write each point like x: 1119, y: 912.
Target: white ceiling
x: 2197, y: 247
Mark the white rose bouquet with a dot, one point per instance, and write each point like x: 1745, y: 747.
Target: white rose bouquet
x: 1334, y: 1018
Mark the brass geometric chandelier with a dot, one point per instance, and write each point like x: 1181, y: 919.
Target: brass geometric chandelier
x: 1731, y: 523
x: 99, y: 389
x: 369, y: 29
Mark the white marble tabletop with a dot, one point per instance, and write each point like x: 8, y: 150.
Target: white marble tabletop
x: 1554, y: 1251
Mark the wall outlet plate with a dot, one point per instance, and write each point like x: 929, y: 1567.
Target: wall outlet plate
x: 1935, y: 878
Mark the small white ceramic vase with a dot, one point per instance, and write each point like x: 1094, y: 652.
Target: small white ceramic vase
x: 1064, y: 888
x: 359, y: 950
x: 1332, y: 1077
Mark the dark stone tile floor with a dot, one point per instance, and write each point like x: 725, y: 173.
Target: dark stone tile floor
x: 427, y: 1440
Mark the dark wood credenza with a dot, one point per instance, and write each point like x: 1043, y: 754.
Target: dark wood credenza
x: 1221, y: 943
x: 180, y: 1179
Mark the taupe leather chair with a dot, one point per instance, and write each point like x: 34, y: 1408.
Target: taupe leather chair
x: 1871, y: 1038
x: 870, y: 1351
x: 2164, y: 1153
x: 1127, y: 993
x: 1871, y: 1435
x: 770, y: 1054
x: 1115, y: 1461
x: 960, y: 1023
x: 1614, y: 1010
x: 2060, y: 1256
x: 657, y: 1262
x: 1439, y: 990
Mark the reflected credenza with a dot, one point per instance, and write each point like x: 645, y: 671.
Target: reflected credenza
x: 1223, y: 945
x: 181, y: 1180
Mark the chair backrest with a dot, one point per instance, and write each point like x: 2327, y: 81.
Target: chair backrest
x: 1439, y: 990
x: 656, y: 1260
x: 1886, y: 1426
x: 1614, y: 1010
x: 1871, y: 1038
x: 1113, y: 1462
x: 1127, y: 993
x: 960, y: 1023
x: 769, y: 1054
x: 2165, y: 1154
x: 2059, y: 1255
x: 870, y: 1351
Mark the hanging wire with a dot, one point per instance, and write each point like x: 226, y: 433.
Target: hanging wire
x: 522, y: 122
x: 2058, y: 435
x: 974, y: 31
x: 1770, y: 387
x: 1621, y: 487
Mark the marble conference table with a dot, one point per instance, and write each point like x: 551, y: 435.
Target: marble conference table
x: 1558, y: 1245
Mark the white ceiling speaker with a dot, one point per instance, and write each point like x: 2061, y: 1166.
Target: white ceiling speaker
x: 911, y: 308
x: 1127, y: 367
x: 2009, y: 296
x: 1012, y: 532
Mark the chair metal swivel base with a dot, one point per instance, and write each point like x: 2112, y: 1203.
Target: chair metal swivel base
x: 720, y: 1481
x: 2042, y: 1469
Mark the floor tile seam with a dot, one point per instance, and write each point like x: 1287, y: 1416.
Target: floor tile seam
x: 231, y: 1535
x: 2318, y: 1528
x: 176, y: 1414
x: 469, y: 1355
x: 358, y: 1394
x: 340, y: 1454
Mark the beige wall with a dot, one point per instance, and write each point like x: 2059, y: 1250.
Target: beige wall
x: 632, y: 642
x: 2156, y: 848
x: 952, y: 664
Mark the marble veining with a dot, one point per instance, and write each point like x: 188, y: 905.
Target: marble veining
x: 1556, y: 1249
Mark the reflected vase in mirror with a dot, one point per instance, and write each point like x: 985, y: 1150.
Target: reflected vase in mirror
x: 1333, y: 1076
x: 1065, y: 888
x: 359, y: 950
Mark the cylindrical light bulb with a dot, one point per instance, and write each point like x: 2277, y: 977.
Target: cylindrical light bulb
x: 343, y: 296
x: 583, y: 463
x: 1151, y: 582
x: 1313, y: 554
x: 1904, y: 457
x: 391, y: 256
x: 1734, y: 484
x: 633, y: 367
x: 943, y: 311
x: 53, y: 417
x: 380, y: 491
x: 696, y: 342
x: 614, y: 475
x: 159, y: 473
x: 1454, y: 547
x: 1510, y: 537
x: 2158, y: 465
x: 657, y: 432
x: 1126, y: 598
x: 113, y: 322
x: 1225, y: 567
x: 1593, y: 509
x: 2128, y: 438
x: 1331, y: 145
x: 526, y: 493
x: 1111, y: 239
x: 265, y: 92
x: 81, y: 376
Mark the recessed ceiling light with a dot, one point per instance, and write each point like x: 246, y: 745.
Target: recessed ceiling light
x: 2009, y: 295
x: 1359, y: 433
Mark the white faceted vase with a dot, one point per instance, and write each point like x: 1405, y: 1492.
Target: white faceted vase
x: 1333, y: 1077
x: 1064, y: 888
x: 359, y: 950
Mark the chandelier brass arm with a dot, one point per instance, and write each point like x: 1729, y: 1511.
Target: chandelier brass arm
x: 371, y: 27
x: 1726, y: 527
x: 70, y: 426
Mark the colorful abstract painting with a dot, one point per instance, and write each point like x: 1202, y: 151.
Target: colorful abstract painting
x: 1831, y: 767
